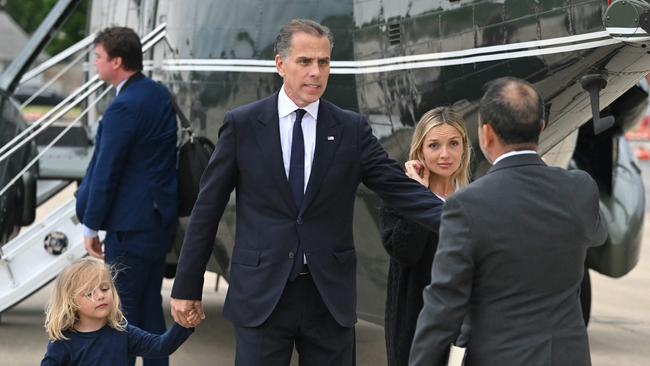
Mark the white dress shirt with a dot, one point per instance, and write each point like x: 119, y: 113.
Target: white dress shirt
x: 88, y: 232
x: 287, y: 117
x: 120, y: 85
x: 513, y: 153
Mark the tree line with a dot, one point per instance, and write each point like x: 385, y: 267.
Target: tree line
x: 30, y: 13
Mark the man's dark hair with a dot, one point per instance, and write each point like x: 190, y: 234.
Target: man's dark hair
x: 514, y: 109
x: 283, y: 40
x: 122, y: 42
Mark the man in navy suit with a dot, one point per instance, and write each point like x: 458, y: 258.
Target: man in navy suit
x: 130, y: 187
x: 295, y: 161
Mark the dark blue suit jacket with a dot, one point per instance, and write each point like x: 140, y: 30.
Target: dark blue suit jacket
x: 130, y: 184
x: 248, y: 158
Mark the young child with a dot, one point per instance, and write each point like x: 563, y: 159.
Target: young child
x: 86, y: 326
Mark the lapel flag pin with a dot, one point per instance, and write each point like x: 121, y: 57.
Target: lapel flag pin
x: 330, y: 138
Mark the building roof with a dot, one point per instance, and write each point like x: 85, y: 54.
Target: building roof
x: 12, y: 38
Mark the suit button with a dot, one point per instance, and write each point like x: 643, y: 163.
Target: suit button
x: 299, y: 220
x: 291, y: 255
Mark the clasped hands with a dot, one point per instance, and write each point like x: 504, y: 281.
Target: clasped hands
x: 187, y: 313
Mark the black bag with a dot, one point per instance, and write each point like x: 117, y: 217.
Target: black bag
x: 193, y: 155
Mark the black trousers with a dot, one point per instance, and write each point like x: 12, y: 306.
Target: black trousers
x: 300, y: 319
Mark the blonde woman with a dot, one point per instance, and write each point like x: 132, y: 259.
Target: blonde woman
x: 86, y: 326
x: 439, y: 159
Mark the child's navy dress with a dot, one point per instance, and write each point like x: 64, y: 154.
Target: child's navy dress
x: 111, y: 347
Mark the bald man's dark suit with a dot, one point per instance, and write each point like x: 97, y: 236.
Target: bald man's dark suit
x: 511, y: 255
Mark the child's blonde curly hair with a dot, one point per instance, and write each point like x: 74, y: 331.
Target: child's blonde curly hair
x: 83, y: 276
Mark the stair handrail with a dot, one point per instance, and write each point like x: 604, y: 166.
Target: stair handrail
x: 148, y: 44
x: 56, y: 138
x: 53, y: 80
x: 54, y: 60
x: 18, y: 139
x: 84, y: 43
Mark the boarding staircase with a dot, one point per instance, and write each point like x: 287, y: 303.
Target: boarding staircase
x: 38, y: 254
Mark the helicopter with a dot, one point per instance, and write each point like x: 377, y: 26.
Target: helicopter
x: 392, y: 61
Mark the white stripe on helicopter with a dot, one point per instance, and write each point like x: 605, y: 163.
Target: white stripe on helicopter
x: 626, y: 31
x: 481, y: 54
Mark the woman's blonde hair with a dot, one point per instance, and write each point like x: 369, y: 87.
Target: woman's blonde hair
x: 438, y: 117
x: 83, y: 276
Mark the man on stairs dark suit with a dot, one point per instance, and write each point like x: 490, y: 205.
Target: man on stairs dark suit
x: 512, y: 249
x: 295, y: 161
x: 130, y: 187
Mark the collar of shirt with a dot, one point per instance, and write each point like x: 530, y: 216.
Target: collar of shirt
x: 286, y: 106
x: 120, y: 85
x: 513, y: 153
x: 286, y: 120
